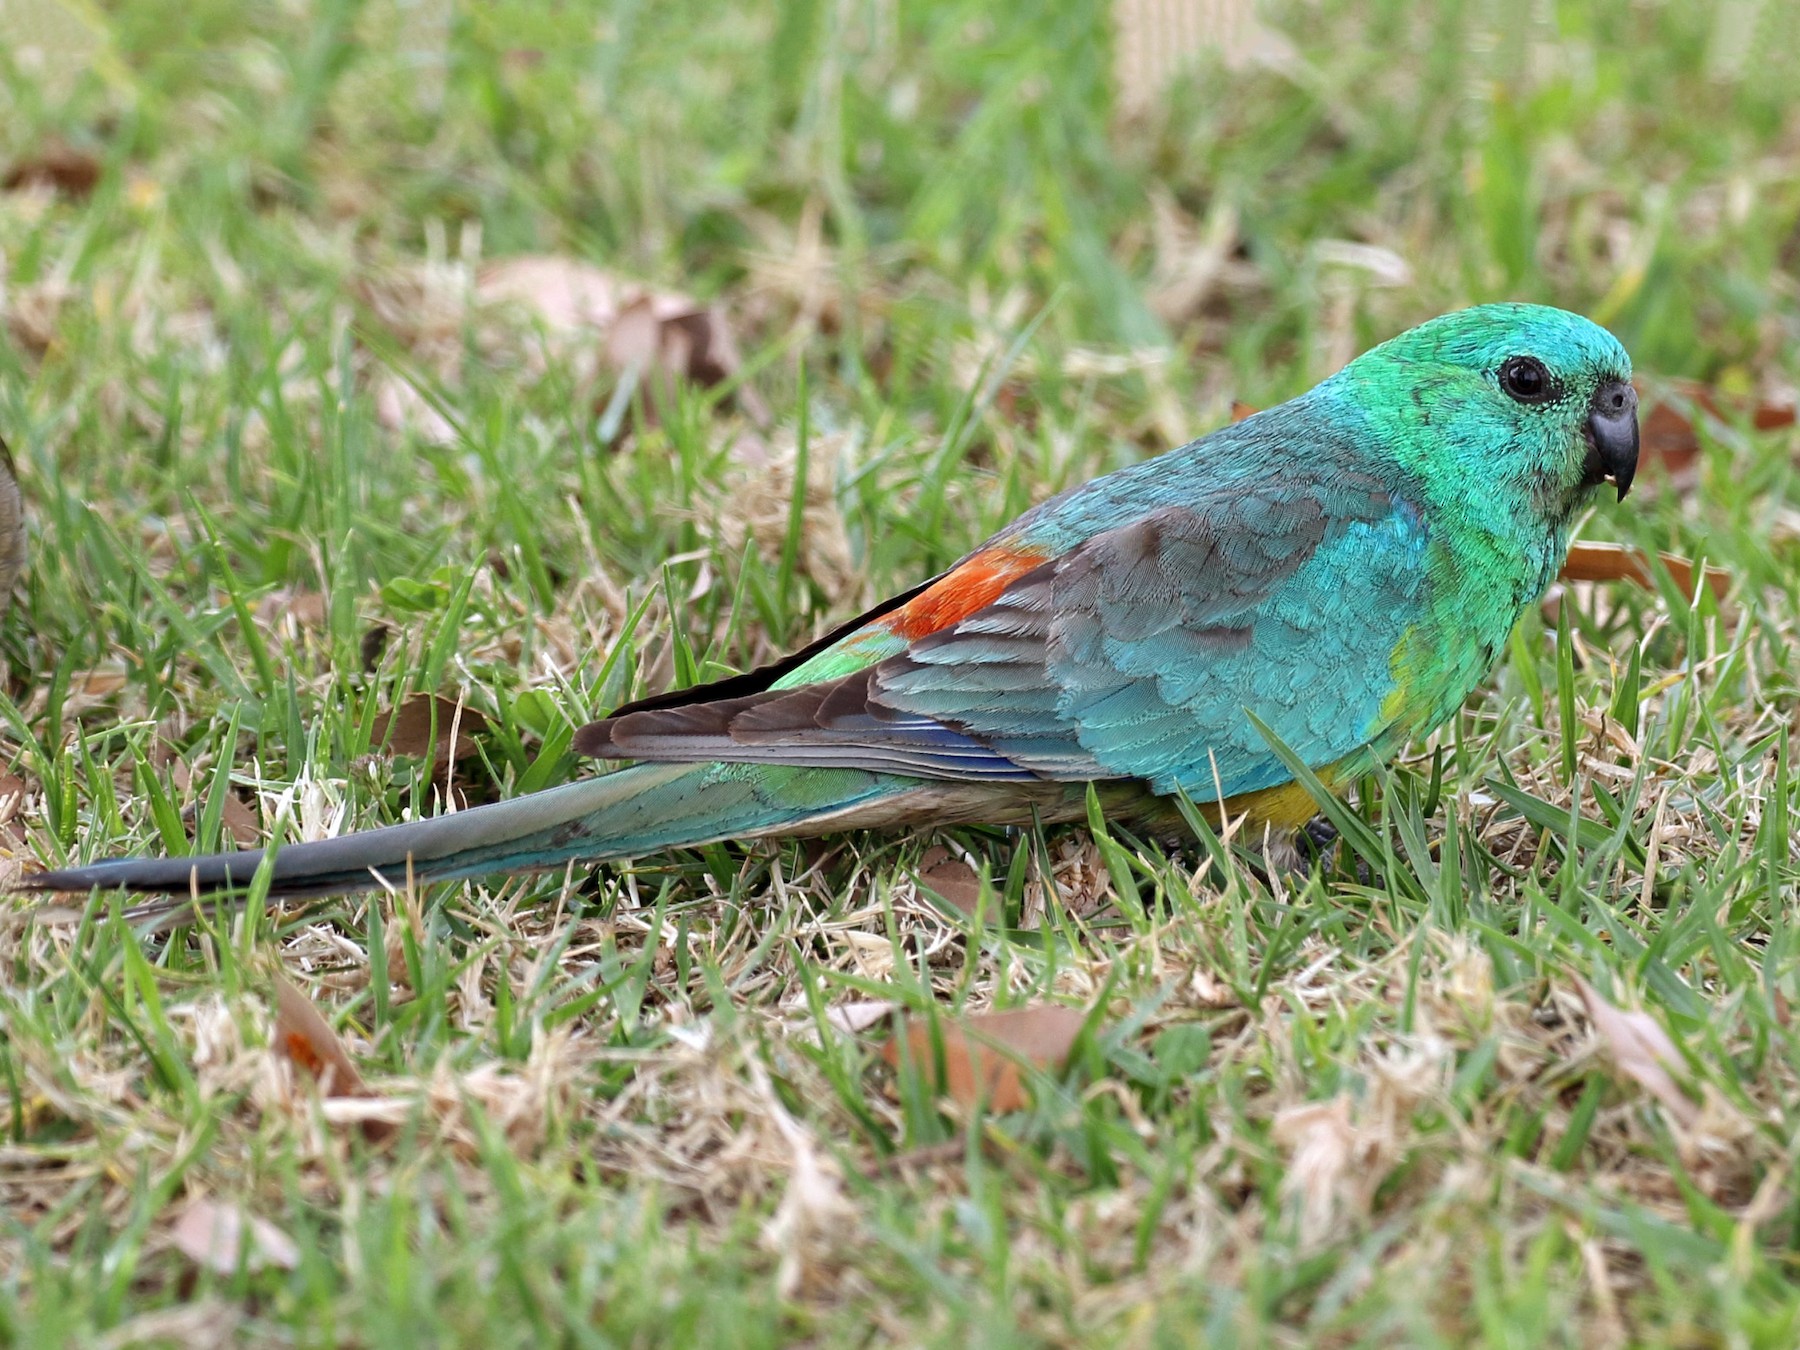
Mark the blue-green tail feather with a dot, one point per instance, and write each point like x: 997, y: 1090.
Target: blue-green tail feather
x: 627, y: 814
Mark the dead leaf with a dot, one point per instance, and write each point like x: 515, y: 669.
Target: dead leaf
x: 34, y: 312
x: 1668, y: 429
x: 165, y: 746
x: 1615, y: 562
x: 659, y: 334
x: 982, y: 1052
x: 562, y: 293
x: 1640, y: 1048
x: 100, y: 683
x: 950, y: 879
x: 57, y: 166
x: 409, y: 731
x: 707, y: 350
x: 374, y: 643
x: 306, y: 1038
x: 1667, y: 440
x: 635, y: 337
x: 239, y: 820
x: 88, y: 688
x: 217, y: 1234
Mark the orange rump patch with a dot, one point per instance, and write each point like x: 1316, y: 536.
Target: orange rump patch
x: 974, y: 585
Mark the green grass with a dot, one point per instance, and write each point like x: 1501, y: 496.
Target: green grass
x: 975, y: 281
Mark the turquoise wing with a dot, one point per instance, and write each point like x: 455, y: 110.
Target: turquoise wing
x: 1139, y: 654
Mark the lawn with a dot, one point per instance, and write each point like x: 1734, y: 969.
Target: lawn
x: 310, y: 433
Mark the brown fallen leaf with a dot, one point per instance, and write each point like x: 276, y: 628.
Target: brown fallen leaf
x: 408, y: 731
x: 699, y: 343
x: 165, y: 745
x: 658, y: 334
x: 306, y: 1038
x: 1615, y: 562
x: 564, y: 294
x: 101, y: 683
x: 56, y: 165
x: 239, y: 820
x: 1641, y: 1049
x: 982, y: 1052
x: 1668, y: 439
x: 374, y: 642
x: 950, y: 878
x: 89, y: 688
x: 217, y: 1234
x: 634, y: 338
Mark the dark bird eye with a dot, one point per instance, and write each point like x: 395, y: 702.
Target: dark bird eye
x: 1526, y: 379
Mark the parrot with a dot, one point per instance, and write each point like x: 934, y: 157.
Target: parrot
x: 1337, y: 572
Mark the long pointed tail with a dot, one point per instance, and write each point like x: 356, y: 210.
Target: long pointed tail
x: 618, y: 815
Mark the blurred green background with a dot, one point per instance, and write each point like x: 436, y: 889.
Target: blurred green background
x: 294, y: 463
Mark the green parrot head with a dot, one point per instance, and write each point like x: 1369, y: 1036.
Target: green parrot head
x: 1520, y: 406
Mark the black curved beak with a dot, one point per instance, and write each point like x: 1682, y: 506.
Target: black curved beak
x: 1612, y: 436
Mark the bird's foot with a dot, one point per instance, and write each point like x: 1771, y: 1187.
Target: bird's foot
x: 1320, y: 833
